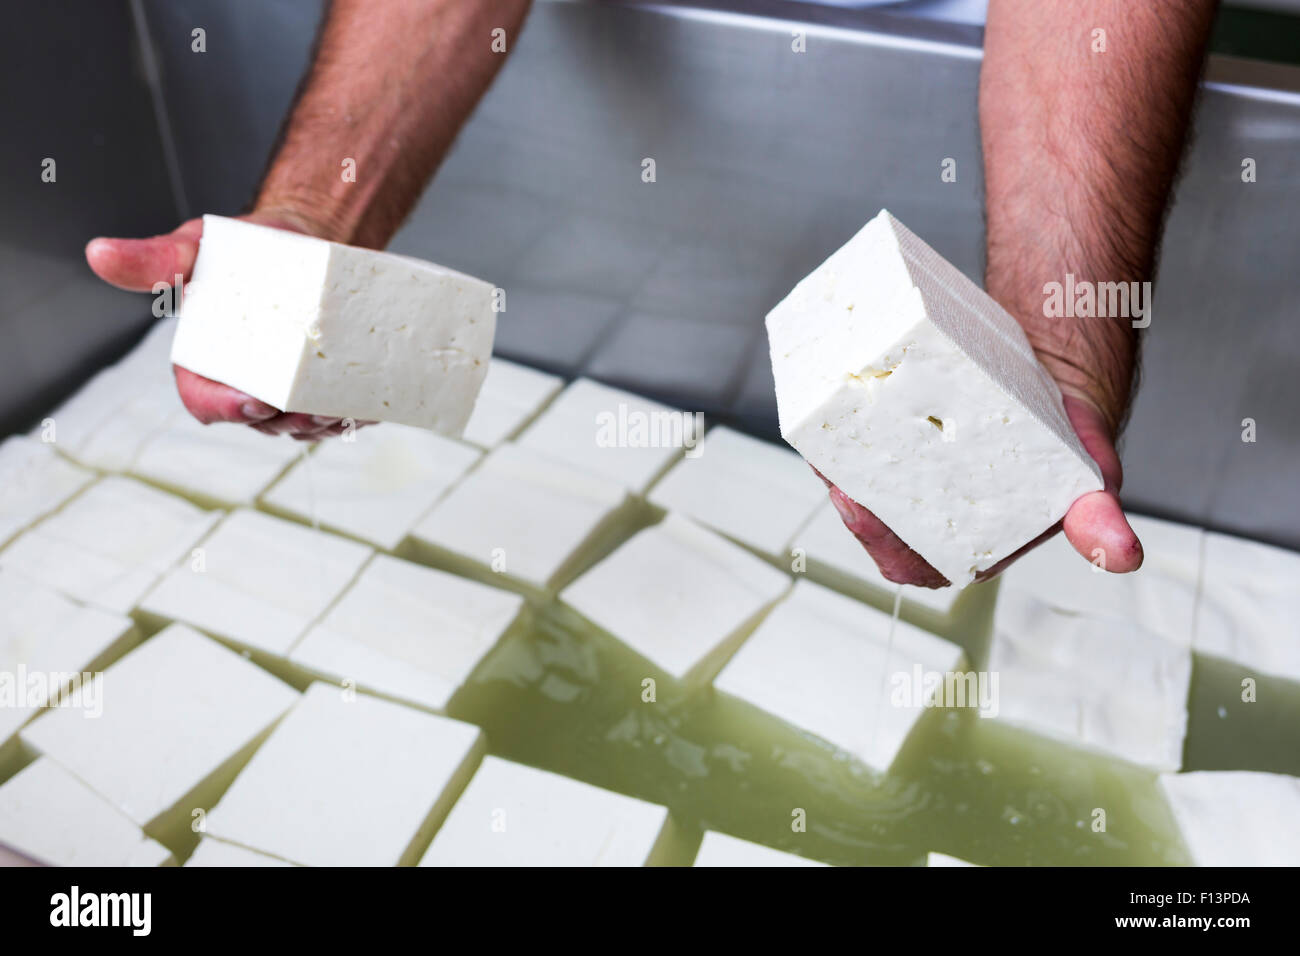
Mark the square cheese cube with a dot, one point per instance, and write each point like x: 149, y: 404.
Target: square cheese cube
x: 526, y: 517
x: 680, y: 596
x: 36, y: 480
x: 179, y: 712
x: 49, y: 815
x: 750, y: 490
x: 821, y: 661
x: 408, y: 632
x: 612, y: 433
x: 511, y: 397
x: 902, y: 382
x: 49, y: 647
x: 258, y: 582
x: 348, y: 780
x: 512, y: 815
x: 1250, y: 603
x: 110, y: 544
x: 218, y: 464
x: 376, y: 486
x: 1236, y: 818
x: 718, y: 849
x: 218, y: 853
x: 942, y: 859
x: 1160, y: 596
x: 1104, y: 684
x: 326, y: 329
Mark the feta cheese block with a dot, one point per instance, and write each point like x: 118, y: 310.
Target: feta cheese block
x: 1160, y: 596
x: 1236, y: 818
x: 1250, y: 603
x: 611, y: 433
x: 348, y: 780
x: 513, y: 815
x: 49, y: 815
x: 824, y: 663
x: 36, y: 480
x: 49, y: 648
x: 374, y: 487
x: 407, y: 632
x: 750, y: 490
x: 1104, y: 684
x: 522, y: 515
x: 511, y: 397
x: 679, y: 595
x: 907, y: 386
x: 942, y: 859
x: 111, y: 543
x: 321, y: 328
x: 718, y: 849
x: 258, y: 582
x: 218, y: 853
x: 226, y: 465
x: 179, y: 711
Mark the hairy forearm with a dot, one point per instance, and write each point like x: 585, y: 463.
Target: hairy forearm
x: 1081, y: 148
x: 391, y: 85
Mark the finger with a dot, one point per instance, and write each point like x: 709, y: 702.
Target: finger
x: 1095, y: 524
x: 295, y: 423
x: 136, y: 264
x: 896, y: 561
x: 210, y: 401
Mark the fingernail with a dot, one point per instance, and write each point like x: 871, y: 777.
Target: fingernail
x: 257, y: 411
x: 324, y: 420
x: 843, y: 507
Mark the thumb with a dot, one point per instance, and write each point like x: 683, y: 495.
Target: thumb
x: 137, y: 264
x: 1096, y: 522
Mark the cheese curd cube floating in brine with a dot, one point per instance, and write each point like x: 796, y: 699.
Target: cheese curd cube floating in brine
x: 321, y: 328
x: 512, y: 815
x: 1236, y: 817
x: 718, y: 849
x: 218, y: 853
x: 907, y: 386
x: 511, y: 396
x: 35, y: 480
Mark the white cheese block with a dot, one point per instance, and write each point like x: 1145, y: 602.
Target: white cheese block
x: 942, y: 859
x: 679, y: 595
x: 611, y: 433
x: 258, y: 582
x: 822, y: 661
x: 907, y: 386
x: 1160, y: 596
x: 116, y: 443
x: 1103, y: 684
x: 750, y: 490
x: 48, y: 647
x: 49, y: 815
x: 512, y: 395
x: 348, y: 780
x: 175, y: 710
x: 111, y: 543
x: 718, y: 849
x: 35, y: 480
x: 1250, y: 606
x: 1236, y: 818
x: 321, y: 328
x: 525, y: 516
x: 408, y: 632
x: 375, y: 486
x: 219, y: 853
x: 512, y: 815
x: 219, y: 464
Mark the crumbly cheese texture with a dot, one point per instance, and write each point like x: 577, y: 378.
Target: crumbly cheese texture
x: 512, y: 815
x: 718, y: 849
x: 750, y: 490
x: 219, y: 853
x: 612, y: 433
x: 375, y: 486
x: 679, y: 595
x: 522, y: 514
x: 907, y: 386
x: 408, y: 632
x: 174, y: 710
x: 820, y: 662
x: 511, y: 396
x: 348, y: 780
x: 1250, y: 603
x: 110, y: 544
x: 1236, y: 818
x: 258, y: 582
x: 321, y: 328
x: 49, y: 815
x: 36, y: 480
x: 1104, y: 684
